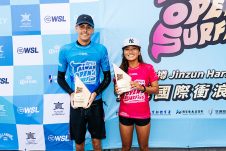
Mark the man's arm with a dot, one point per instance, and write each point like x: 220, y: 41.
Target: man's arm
x: 63, y: 83
x: 106, y: 81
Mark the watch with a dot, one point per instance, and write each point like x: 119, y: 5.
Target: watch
x: 142, y: 91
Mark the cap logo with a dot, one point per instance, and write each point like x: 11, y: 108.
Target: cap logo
x: 131, y: 40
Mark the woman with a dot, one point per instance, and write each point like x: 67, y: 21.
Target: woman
x: 134, y: 107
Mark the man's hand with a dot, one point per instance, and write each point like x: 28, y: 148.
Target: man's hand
x: 72, y: 100
x: 91, y: 99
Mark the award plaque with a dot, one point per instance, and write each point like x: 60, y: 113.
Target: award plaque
x: 122, y: 79
x: 81, y: 95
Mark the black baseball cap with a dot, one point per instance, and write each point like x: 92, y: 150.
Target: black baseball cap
x: 85, y: 19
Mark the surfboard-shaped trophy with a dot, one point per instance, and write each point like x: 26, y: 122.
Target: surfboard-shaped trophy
x: 122, y: 79
x: 81, y: 95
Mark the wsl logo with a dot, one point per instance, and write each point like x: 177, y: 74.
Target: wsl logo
x: 27, y: 50
x: 60, y: 138
x: 28, y: 110
x: 54, y: 19
x: 4, y: 81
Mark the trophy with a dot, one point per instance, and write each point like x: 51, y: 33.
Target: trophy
x: 122, y: 79
x: 81, y: 95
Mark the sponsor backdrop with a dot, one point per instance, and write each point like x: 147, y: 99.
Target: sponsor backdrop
x: 183, y: 40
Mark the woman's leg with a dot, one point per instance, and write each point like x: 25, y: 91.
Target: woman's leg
x: 142, y: 136
x: 126, y: 133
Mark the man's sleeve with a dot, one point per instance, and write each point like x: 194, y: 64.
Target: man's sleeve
x: 106, y: 81
x: 63, y: 83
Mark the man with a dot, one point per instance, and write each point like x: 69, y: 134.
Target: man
x: 87, y: 60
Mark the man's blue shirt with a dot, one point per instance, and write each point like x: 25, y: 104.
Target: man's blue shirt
x: 84, y: 61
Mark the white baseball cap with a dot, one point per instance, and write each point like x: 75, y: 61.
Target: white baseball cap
x: 131, y: 41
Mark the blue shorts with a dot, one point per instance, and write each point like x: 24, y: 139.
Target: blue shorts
x: 93, y: 117
x: 131, y: 121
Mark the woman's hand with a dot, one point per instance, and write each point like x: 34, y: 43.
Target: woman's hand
x: 117, y: 90
x: 136, y: 85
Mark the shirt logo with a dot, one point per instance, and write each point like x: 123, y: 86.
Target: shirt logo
x: 85, y: 71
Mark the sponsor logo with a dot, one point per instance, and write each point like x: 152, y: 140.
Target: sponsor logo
x: 2, y: 110
x: 6, y: 137
x: 21, y: 50
x: 52, y: 78
x: 58, y: 109
x: 1, y: 46
x: 161, y: 112
x: 58, y: 138
x: 1, y: 52
x: 27, y: 80
x: 190, y: 112
x: 210, y: 111
x: 31, y: 138
x: 2, y: 107
x: 55, y: 50
x: 217, y: 112
x: 3, y: 21
x: 4, y: 81
x: 49, y: 19
x: 58, y: 105
x: 25, y: 20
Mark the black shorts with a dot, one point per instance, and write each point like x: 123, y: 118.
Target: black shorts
x: 131, y: 121
x: 93, y: 116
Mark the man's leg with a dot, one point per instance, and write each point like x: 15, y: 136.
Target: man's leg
x: 78, y: 127
x: 96, y: 124
x: 80, y: 147
x: 96, y: 144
